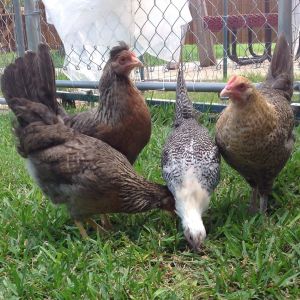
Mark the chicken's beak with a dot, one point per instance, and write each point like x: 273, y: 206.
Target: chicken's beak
x: 136, y: 62
x: 195, y: 240
x: 226, y: 92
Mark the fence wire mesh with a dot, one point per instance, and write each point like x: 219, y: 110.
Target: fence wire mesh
x: 219, y: 40
x: 251, y: 29
x: 7, y: 42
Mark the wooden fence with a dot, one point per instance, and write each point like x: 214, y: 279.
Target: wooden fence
x: 237, y: 8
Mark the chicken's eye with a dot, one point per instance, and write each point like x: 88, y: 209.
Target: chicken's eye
x: 242, y: 86
x: 122, y: 60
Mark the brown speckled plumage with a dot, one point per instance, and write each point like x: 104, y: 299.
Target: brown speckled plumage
x: 85, y: 173
x: 254, y: 133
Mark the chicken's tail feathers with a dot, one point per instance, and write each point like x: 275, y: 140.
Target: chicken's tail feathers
x: 31, y: 77
x: 37, y: 126
x: 280, y: 74
x: 184, y: 107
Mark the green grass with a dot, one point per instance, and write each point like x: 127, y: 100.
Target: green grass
x: 42, y: 255
x: 8, y: 57
x: 190, y: 53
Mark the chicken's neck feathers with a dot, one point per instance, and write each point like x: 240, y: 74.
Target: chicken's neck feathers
x: 139, y: 194
x: 115, y: 93
x: 257, y: 108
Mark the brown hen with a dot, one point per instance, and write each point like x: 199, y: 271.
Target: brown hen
x: 122, y: 118
x: 85, y: 173
x: 254, y: 133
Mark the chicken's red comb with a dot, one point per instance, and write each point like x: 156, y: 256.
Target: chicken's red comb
x: 231, y: 81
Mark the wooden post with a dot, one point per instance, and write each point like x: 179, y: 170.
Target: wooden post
x: 205, y: 46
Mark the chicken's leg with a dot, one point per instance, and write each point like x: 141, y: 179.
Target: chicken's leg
x: 253, y: 206
x: 263, y: 203
x: 105, y: 222
x: 96, y: 226
x: 92, y: 223
x: 81, y: 229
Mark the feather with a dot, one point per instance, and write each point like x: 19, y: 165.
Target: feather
x: 280, y: 74
x: 21, y: 85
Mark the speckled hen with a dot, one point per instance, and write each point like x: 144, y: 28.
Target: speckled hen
x: 254, y: 133
x: 190, y: 163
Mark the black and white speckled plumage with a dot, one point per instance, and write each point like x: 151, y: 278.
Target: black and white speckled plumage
x: 189, y: 145
x: 191, y: 166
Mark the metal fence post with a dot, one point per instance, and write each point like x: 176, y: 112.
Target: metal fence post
x: 18, y: 27
x: 285, y: 19
x: 33, y: 26
x: 225, y: 38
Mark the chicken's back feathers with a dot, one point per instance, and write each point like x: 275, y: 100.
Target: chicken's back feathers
x: 29, y: 139
x: 86, y: 174
x: 280, y: 74
x: 189, y: 146
x: 32, y: 77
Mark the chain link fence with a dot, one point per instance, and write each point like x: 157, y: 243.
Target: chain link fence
x: 220, y: 37
x: 7, y: 42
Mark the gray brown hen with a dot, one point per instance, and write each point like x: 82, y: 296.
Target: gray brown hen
x: 85, y: 173
x: 122, y: 118
x: 254, y: 133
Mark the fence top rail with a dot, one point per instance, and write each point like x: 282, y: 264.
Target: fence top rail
x: 215, y: 87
